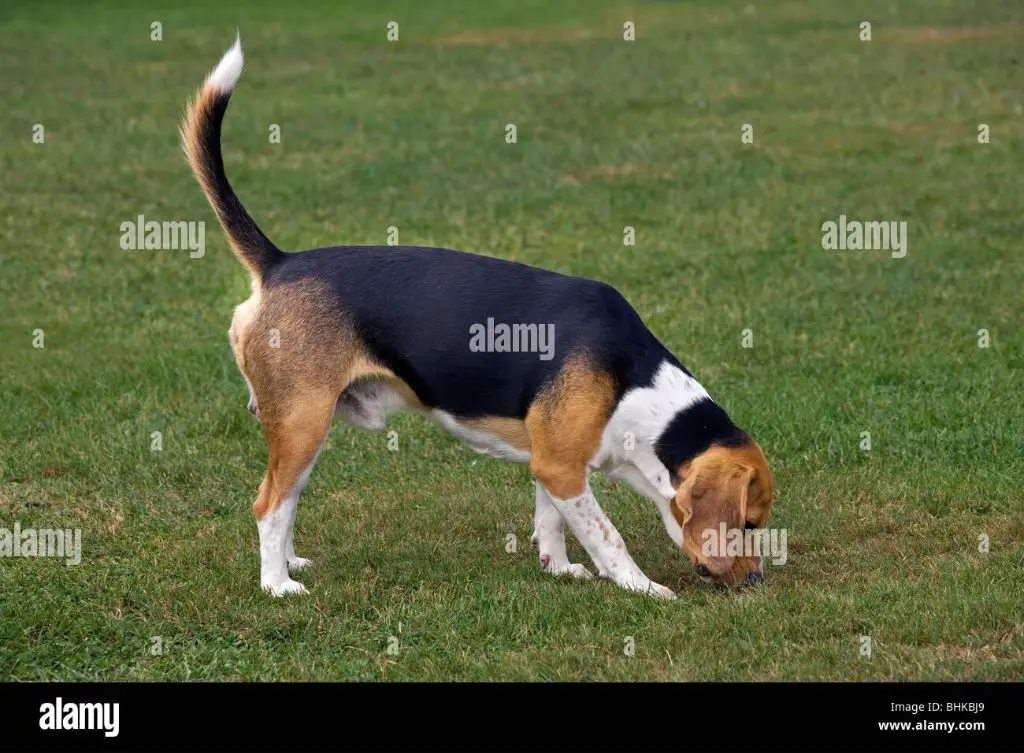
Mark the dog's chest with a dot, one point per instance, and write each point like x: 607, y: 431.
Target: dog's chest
x: 629, y: 456
x: 627, y: 449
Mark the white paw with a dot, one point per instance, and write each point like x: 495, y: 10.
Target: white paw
x: 649, y: 587
x: 288, y: 586
x: 578, y: 571
x: 298, y: 563
x: 556, y: 568
x: 660, y: 591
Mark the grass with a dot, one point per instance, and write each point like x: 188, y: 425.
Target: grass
x: 411, y: 544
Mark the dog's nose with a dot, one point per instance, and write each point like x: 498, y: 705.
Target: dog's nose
x: 703, y: 571
x: 754, y: 578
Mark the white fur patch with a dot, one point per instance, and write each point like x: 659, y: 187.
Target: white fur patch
x: 604, y: 544
x: 641, y: 417
x: 368, y: 403
x: 277, y: 548
x: 224, y: 77
x: 549, y: 536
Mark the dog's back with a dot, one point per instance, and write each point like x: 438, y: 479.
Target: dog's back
x: 473, y: 335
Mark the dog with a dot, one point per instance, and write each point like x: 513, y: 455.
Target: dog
x: 569, y: 381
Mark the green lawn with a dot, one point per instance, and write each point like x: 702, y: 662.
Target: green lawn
x: 412, y: 544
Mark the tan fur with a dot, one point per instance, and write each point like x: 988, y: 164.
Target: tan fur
x: 723, y: 484
x: 297, y: 383
x: 512, y: 431
x: 293, y: 439
x: 195, y: 113
x: 565, y: 424
x: 244, y: 314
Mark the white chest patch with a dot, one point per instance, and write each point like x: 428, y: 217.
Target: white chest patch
x: 641, y: 417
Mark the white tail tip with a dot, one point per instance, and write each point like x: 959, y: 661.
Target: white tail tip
x: 224, y: 77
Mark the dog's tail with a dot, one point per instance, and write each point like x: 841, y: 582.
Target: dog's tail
x: 200, y: 139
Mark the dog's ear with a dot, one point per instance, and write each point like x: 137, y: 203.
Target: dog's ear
x: 697, y: 479
x: 746, y: 484
x: 697, y: 497
x: 757, y: 498
x: 725, y: 486
x: 719, y: 494
x: 718, y: 488
x: 682, y: 503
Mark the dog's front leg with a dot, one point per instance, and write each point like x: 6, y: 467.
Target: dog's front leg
x: 604, y: 544
x: 565, y: 429
x: 549, y: 536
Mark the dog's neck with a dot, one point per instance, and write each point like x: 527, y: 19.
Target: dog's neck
x: 656, y: 430
x: 676, y: 416
x: 693, y: 430
x: 660, y: 427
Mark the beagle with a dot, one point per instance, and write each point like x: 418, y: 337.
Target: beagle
x: 518, y: 362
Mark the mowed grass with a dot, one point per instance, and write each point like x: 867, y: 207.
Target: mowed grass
x: 412, y: 544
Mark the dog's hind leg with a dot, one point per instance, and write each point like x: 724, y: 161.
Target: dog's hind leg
x: 299, y: 355
x: 295, y: 434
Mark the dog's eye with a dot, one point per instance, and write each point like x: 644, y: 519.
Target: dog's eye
x: 748, y: 526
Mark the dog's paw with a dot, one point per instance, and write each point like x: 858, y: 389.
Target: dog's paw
x: 660, y: 591
x: 295, y: 564
x: 288, y: 586
x: 646, y: 586
x: 579, y: 571
x: 575, y: 570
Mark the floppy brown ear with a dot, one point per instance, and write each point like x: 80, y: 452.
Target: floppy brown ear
x: 748, y: 483
x: 698, y: 483
x: 759, y: 490
x: 693, y: 489
x: 682, y: 502
x: 726, y: 485
x: 719, y: 486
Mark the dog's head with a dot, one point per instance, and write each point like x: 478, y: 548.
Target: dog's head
x: 723, y: 490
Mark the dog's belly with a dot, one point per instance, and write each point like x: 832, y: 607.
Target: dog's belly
x: 499, y: 438
x: 367, y: 404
